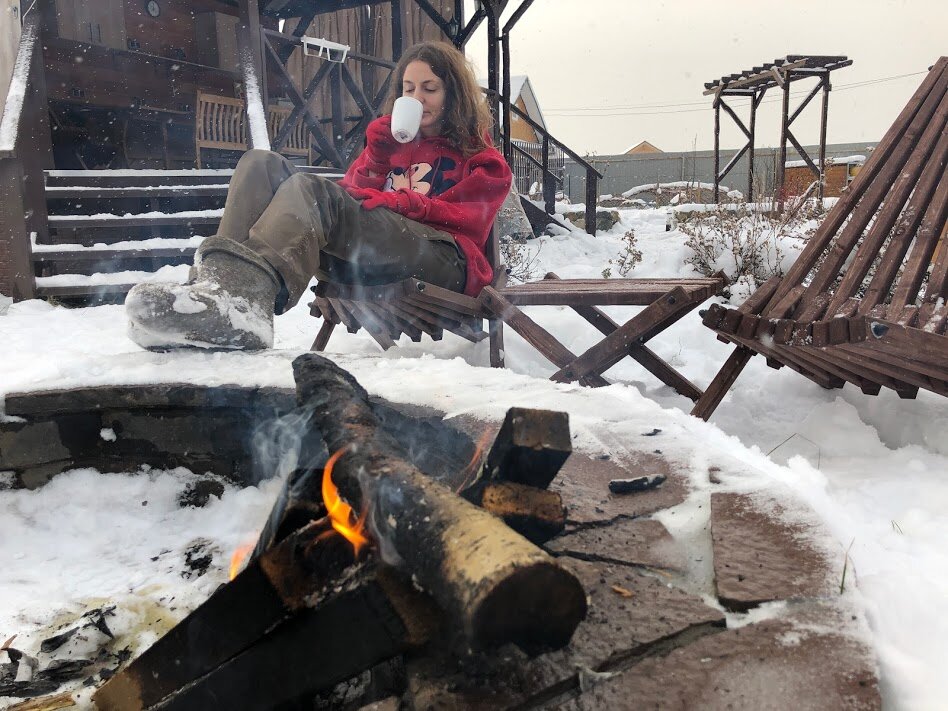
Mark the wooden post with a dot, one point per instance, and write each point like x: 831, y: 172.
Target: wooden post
x: 755, y: 101
x: 784, y: 130
x: 22, y: 189
x: 717, y: 145
x: 505, y: 96
x: 397, y: 38
x: 823, y: 121
x: 338, y: 137
x: 493, y: 51
x: 549, y: 185
x: 458, y: 20
x: 592, y: 194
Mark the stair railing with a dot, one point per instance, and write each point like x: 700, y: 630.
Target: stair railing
x: 25, y: 152
x: 549, y: 179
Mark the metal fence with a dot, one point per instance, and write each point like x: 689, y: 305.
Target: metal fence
x: 623, y: 172
x: 526, y: 173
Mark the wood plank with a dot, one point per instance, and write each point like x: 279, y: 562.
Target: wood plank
x: 322, y: 337
x: 643, y: 355
x: 61, y: 222
x: 367, y: 320
x: 912, y: 188
x: 896, y: 364
x: 722, y: 382
x: 914, y: 343
x: 110, y: 255
x: 534, y: 334
x: 601, y: 292
x: 614, y: 347
x: 880, y: 158
x: 110, y: 193
x: 933, y: 227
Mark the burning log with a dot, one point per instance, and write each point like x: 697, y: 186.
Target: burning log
x: 494, y: 585
x: 281, y: 604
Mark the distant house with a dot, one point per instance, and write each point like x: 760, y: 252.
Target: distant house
x: 643, y: 147
x: 840, y: 172
x: 525, y: 137
x: 523, y: 97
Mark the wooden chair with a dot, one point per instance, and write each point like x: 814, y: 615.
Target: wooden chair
x: 219, y: 123
x: 414, y: 307
x: 298, y: 142
x: 855, y: 306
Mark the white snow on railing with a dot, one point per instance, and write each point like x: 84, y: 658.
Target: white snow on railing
x: 10, y: 122
x: 256, y: 116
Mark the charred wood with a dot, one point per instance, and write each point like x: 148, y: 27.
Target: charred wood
x: 492, y: 584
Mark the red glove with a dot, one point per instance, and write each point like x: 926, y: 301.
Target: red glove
x: 410, y: 204
x: 361, y: 193
x: 380, y: 145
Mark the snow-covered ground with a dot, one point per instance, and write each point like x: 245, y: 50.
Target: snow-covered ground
x: 875, y: 469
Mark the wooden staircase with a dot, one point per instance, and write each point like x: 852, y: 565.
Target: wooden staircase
x: 110, y: 229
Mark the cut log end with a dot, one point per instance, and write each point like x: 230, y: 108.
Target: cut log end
x: 540, y: 606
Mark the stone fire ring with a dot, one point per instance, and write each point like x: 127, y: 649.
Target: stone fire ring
x: 659, y: 633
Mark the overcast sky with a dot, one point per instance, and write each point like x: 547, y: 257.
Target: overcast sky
x: 605, y: 71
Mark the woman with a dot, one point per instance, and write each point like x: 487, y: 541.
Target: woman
x: 421, y: 209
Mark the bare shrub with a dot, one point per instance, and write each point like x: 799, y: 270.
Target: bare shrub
x: 627, y: 258
x: 521, y: 263
x: 748, y: 244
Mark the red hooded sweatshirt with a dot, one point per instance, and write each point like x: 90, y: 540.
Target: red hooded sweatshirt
x: 461, y: 196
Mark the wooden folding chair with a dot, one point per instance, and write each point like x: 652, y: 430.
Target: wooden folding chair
x: 414, y: 307
x: 855, y: 306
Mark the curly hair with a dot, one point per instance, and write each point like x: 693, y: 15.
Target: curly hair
x: 466, y: 119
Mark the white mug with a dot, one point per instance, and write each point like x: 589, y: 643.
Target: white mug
x: 406, y: 118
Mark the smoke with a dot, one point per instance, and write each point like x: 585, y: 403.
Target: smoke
x: 285, y: 443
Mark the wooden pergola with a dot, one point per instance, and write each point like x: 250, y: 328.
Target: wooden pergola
x: 753, y: 84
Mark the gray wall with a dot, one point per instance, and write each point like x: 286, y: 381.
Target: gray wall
x: 622, y: 172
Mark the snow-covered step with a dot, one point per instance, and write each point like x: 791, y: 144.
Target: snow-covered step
x: 106, y: 255
x: 144, y: 219
x: 135, y: 178
x: 85, y: 192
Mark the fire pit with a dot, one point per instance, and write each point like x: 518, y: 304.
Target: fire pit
x: 308, y: 609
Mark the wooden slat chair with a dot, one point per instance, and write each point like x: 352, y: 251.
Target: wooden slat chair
x: 219, y: 124
x: 414, y: 307
x: 298, y: 142
x: 855, y: 306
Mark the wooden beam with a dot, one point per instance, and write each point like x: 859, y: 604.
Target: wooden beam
x: 722, y: 382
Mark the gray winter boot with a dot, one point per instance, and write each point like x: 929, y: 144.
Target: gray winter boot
x: 227, y: 303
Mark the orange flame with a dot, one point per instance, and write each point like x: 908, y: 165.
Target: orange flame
x: 473, y: 467
x: 341, y: 514
x: 238, y: 558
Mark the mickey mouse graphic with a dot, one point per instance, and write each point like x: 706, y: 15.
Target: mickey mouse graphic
x: 423, y: 178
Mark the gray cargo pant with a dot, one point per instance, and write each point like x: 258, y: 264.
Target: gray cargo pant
x: 304, y: 225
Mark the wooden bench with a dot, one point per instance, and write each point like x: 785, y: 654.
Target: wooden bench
x: 221, y: 124
x: 413, y: 307
x: 855, y: 306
